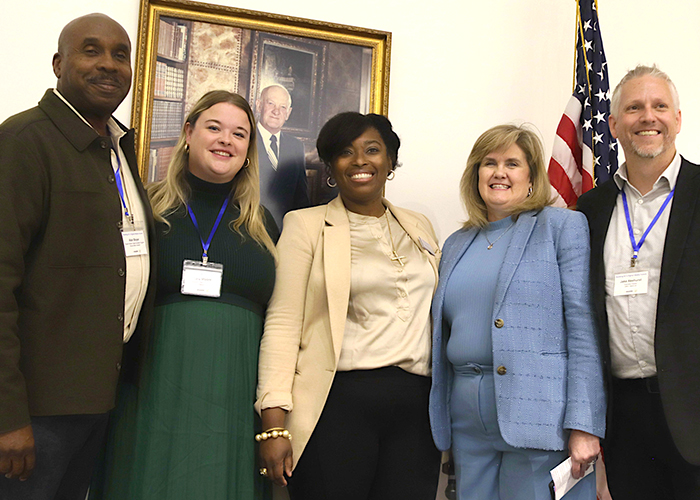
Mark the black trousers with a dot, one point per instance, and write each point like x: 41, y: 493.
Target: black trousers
x: 641, y: 460
x: 67, y: 447
x: 372, y: 441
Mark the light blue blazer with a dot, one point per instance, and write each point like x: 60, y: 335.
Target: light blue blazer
x: 543, y: 335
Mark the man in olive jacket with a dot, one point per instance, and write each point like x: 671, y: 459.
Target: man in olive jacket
x: 75, y: 262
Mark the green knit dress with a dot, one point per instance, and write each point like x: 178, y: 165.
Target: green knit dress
x: 187, y: 432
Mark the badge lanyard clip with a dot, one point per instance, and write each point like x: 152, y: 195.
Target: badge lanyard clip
x: 636, y: 246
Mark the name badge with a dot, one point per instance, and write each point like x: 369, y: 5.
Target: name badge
x: 427, y: 246
x: 635, y: 283
x: 134, y: 242
x: 203, y: 279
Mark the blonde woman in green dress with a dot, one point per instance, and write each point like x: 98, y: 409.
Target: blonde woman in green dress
x: 188, y: 430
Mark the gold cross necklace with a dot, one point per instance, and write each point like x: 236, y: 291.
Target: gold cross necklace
x: 394, y: 256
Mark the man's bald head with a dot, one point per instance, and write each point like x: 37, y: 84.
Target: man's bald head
x: 79, y: 25
x: 274, y: 107
x: 93, y: 66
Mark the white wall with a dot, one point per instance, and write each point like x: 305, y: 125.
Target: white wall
x: 457, y: 68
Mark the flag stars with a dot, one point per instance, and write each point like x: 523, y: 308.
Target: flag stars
x: 593, y: 91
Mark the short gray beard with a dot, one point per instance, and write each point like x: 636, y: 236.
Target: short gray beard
x: 648, y: 154
x: 666, y: 144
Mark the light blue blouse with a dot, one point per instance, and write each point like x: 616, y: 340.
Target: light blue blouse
x: 470, y: 294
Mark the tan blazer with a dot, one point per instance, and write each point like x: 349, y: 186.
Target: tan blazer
x: 305, y: 321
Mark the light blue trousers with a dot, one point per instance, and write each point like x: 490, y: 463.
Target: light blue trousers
x: 486, y: 467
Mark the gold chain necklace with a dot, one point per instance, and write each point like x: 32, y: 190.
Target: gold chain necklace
x: 491, y: 244
x: 394, y: 256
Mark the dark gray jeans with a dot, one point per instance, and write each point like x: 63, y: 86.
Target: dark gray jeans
x: 67, y: 447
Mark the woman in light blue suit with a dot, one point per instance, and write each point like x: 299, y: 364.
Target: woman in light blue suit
x: 517, y: 377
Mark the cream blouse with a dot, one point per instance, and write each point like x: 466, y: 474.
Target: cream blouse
x: 388, y: 322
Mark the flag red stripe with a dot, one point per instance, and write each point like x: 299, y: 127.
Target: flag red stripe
x: 587, y: 182
x: 567, y: 131
x: 561, y: 182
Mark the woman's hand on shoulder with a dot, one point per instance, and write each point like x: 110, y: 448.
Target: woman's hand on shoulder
x: 276, y: 457
x: 583, y: 449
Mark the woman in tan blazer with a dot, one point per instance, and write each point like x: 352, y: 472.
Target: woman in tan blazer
x: 345, y: 358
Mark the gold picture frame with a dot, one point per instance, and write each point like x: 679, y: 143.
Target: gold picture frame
x: 185, y: 45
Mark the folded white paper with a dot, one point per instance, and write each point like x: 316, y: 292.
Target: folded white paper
x: 563, y: 480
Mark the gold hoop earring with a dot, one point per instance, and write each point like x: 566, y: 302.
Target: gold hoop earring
x: 330, y: 182
x: 529, y: 192
x: 187, y: 148
x: 390, y: 175
x: 246, y: 163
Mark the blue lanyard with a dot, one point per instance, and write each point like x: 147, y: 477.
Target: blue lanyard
x: 205, y: 246
x: 120, y: 185
x: 636, y: 246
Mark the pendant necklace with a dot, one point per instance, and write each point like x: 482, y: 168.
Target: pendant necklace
x: 394, y: 256
x: 492, y: 243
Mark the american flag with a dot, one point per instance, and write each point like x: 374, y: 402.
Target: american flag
x: 584, y: 152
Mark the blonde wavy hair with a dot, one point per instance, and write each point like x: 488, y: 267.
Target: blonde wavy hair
x: 499, y: 138
x: 173, y: 192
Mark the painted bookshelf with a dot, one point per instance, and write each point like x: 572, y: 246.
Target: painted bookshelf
x: 170, y: 82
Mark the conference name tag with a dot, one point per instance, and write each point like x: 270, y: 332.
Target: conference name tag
x: 134, y: 242
x: 635, y: 283
x: 427, y: 246
x: 200, y: 278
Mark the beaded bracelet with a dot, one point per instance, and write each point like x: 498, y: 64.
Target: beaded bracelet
x: 273, y: 433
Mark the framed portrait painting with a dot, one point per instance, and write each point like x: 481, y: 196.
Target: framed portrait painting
x: 186, y: 49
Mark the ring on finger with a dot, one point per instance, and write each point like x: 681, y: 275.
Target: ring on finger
x: 263, y: 471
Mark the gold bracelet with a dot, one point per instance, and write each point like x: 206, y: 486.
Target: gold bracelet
x: 273, y: 433
x: 275, y: 429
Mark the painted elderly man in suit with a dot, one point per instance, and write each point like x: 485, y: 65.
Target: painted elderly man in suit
x: 280, y: 155
x: 74, y: 265
x: 645, y: 245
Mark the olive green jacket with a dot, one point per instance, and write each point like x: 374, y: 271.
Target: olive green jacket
x: 62, y: 265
